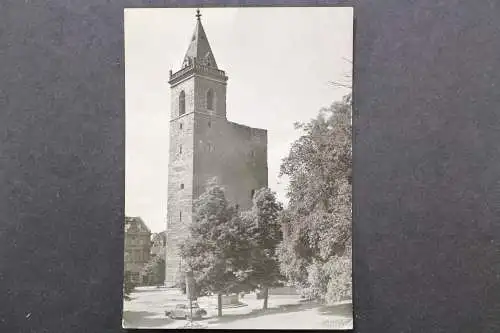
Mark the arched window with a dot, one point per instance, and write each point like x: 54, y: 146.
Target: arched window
x: 210, y: 99
x: 182, y: 103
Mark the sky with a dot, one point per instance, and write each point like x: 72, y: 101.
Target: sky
x: 280, y: 62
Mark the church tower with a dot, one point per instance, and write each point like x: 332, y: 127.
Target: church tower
x: 204, y: 145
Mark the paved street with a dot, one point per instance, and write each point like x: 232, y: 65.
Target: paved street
x: 147, y: 310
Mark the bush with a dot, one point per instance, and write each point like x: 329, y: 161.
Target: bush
x: 128, y: 285
x: 339, y: 286
x: 330, y: 282
x: 153, y: 272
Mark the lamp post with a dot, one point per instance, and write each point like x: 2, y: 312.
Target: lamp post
x: 190, y: 291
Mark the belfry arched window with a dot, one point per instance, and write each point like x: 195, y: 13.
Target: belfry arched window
x: 182, y: 103
x: 210, y: 99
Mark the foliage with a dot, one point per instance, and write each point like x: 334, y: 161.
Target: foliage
x: 215, y: 250
x: 317, y: 243
x: 128, y: 285
x: 263, y: 232
x: 154, y: 271
x: 340, y: 284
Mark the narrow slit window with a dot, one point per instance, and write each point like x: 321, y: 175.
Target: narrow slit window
x: 209, y: 124
x: 182, y: 186
x: 252, y: 193
x: 180, y: 216
x: 180, y: 149
x: 182, y: 103
x: 210, y: 99
x: 180, y: 126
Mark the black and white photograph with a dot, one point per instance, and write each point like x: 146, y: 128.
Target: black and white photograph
x: 238, y: 168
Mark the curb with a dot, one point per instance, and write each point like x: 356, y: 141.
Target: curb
x: 240, y: 305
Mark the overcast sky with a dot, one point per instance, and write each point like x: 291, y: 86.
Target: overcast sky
x: 279, y: 62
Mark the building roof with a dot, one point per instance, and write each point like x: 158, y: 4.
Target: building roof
x: 136, y: 224
x: 199, y: 47
x: 160, y: 236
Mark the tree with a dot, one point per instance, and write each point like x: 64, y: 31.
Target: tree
x: 345, y: 81
x: 128, y: 285
x: 263, y: 232
x: 154, y: 271
x: 213, y: 250
x: 317, y: 244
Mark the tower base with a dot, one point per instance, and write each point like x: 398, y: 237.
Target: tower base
x: 172, y: 272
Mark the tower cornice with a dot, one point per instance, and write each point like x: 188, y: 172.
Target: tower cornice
x: 199, y: 69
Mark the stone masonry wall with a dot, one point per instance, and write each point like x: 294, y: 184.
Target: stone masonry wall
x: 180, y: 184
x: 249, y: 165
x: 203, y: 84
x: 235, y: 154
x: 211, y: 147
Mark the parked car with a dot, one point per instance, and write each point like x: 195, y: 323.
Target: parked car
x: 183, y: 311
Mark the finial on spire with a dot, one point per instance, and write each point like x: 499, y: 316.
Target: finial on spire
x: 198, y: 15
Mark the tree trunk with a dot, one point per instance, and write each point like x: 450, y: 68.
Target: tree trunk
x: 266, y: 296
x: 219, y: 305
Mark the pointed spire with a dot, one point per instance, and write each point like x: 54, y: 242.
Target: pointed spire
x: 199, y: 48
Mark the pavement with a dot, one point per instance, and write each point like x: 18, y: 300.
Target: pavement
x: 146, y: 309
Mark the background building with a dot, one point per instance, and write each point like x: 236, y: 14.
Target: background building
x: 204, y: 145
x: 137, y: 247
x: 158, y: 242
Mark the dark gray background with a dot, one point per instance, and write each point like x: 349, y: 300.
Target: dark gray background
x: 426, y: 165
